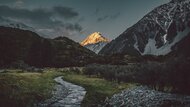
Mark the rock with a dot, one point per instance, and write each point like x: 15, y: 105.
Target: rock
x: 143, y: 96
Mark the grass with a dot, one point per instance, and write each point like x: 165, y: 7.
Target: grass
x: 97, y: 89
x: 25, y: 89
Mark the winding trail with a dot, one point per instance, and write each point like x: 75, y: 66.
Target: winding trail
x: 65, y: 95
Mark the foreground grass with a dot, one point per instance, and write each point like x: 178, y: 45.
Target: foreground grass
x: 24, y: 89
x: 19, y: 89
x: 97, y: 89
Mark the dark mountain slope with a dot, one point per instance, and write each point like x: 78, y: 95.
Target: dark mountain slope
x: 155, y: 33
x: 22, y: 45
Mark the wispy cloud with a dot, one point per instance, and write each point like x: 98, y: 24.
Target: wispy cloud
x: 19, y: 3
x: 65, y: 12
x: 108, y: 17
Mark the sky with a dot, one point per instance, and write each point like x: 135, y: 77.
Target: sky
x: 77, y: 19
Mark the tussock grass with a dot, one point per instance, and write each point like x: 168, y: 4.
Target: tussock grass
x: 97, y: 89
x: 25, y: 89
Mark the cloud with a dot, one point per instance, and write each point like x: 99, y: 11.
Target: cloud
x: 112, y: 17
x: 19, y: 3
x: 37, y: 15
x: 65, y: 12
x: 97, y: 11
x: 66, y: 29
x: 75, y: 26
x: 48, y: 21
x: 115, y: 16
x: 102, y: 18
x: 6, y: 1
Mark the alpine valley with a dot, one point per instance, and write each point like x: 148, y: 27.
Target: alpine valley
x: 44, y: 61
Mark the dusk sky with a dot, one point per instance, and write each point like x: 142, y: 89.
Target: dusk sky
x: 77, y: 19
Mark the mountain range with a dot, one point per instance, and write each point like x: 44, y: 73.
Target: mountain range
x: 157, y: 33
x: 165, y: 30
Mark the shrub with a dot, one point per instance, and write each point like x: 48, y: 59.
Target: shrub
x: 174, y: 73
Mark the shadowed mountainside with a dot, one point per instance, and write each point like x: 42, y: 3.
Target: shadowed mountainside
x: 25, y: 46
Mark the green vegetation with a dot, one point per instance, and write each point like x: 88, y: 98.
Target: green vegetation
x: 172, y: 75
x: 23, y: 89
x: 97, y: 89
x: 19, y: 88
x: 101, y: 81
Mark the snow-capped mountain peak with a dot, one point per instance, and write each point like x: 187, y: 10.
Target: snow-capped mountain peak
x: 95, y: 42
x: 94, y: 38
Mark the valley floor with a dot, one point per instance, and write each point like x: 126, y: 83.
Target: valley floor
x: 55, y: 88
x: 20, y: 88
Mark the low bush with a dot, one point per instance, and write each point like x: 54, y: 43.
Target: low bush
x: 174, y: 73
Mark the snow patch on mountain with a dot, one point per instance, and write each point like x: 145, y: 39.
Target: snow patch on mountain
x: 151, y: 48
x: 164, y: 37
x: 136, y: 43
x: 96, y: 47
